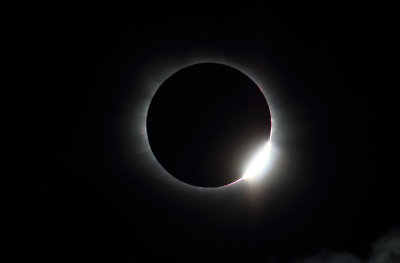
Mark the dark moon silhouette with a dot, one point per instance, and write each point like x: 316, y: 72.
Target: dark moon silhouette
x: 205, y: 122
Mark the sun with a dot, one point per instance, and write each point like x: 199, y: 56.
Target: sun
x: 155, y: 73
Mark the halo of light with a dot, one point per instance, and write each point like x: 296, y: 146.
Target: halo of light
x: 159, y: 71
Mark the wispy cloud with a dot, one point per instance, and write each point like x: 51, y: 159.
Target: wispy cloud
x: 384, y: 250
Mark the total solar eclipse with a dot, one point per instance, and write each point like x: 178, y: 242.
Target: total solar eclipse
x: 205, y: 121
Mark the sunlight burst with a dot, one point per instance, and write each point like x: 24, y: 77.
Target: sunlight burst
x: 259, y: 162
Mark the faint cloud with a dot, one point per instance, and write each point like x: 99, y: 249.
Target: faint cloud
x: 384, y: 250
x: 387, y: 248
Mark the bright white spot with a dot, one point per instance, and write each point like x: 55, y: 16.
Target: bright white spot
x: 259, y: 162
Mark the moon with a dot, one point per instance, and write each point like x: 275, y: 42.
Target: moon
x: 204, y: 122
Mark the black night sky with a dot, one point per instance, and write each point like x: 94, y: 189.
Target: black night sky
x: 84, y: 190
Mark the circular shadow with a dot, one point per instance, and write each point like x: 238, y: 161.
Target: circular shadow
x: 205, y: 122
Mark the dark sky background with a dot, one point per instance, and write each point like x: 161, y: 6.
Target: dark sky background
x: 80, y: 194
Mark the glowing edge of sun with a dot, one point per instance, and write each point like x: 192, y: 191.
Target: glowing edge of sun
x: 258, y: 163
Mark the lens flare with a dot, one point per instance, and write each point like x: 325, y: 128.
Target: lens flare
x: 259, y: 163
